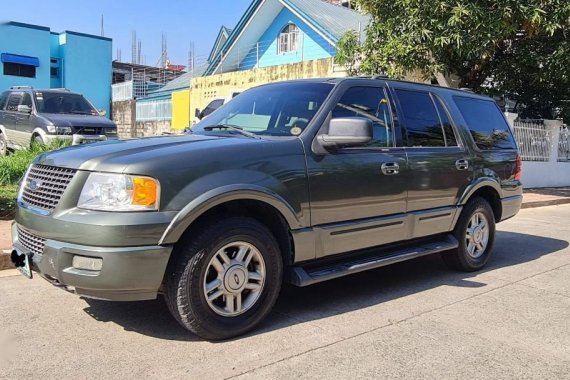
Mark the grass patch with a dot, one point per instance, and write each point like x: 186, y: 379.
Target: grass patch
x: 12, y: 169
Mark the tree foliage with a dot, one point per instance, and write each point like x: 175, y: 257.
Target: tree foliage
x: 515, y: 47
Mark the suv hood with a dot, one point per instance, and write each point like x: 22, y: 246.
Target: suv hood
x: 72, y: 120
x: 131, y: 156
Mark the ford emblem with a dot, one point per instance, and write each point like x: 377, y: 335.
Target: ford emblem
x: 34, y: 184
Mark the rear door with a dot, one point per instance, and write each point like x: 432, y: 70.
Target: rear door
x: 358, y: 195
x: 440, y: 168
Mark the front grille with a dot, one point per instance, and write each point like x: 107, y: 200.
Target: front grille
x: 44, y: 186
x: 89, y: 131
x: 31, y: 242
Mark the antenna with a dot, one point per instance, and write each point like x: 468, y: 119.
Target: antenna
x: 102, y: 27
x: 134, y: 48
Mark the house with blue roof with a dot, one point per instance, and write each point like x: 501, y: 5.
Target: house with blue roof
x: 277, y: 32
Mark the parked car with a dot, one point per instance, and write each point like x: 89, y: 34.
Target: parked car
x: 300, y: 181
x: 214, y: 105
x: 28, y: 115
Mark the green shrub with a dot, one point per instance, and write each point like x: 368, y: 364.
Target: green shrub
x: 13, y: 166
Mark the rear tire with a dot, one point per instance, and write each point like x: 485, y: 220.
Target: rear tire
x: 225, y: 278
x: 475, y: 232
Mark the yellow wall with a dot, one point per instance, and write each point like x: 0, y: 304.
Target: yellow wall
x: 181, y: 109
x: 204, y: 89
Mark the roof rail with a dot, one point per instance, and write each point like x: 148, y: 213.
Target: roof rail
x: 60, y: 89
x: 376, y: 76
x: 21, y: 88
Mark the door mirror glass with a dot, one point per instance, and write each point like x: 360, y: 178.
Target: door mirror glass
x: 24, y: 108
x: 347, y: 132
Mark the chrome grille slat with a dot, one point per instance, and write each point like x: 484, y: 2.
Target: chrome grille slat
x: 31, y: 242
x: 54, y: 182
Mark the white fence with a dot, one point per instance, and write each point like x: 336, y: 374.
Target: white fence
x: 534, y: 139
x: 154, y: 110
x: 564, y: 144
x: 545, y: 150
x: 122, y: 91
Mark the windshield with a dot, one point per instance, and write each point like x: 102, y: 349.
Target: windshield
x: 282, y: 109
x: 52, y: 102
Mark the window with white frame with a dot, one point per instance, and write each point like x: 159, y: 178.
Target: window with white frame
x: 288, y: 39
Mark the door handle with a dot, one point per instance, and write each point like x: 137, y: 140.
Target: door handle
x: 390, y: 168
x: 462, y: 164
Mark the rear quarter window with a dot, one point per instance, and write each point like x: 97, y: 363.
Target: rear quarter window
x: 486, y: 123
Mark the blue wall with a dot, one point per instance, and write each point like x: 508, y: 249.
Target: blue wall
x: 310, y: 45
x: 30, y: 41
x: 87, y: 67
x: 85, y: 61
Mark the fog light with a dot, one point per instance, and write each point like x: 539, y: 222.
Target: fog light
x: 87, y: 263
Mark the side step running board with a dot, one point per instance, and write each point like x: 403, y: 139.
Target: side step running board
x: 312, y: 274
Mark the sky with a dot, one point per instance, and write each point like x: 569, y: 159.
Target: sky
x: 183, y: 22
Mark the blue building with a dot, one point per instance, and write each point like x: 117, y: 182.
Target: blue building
x: 32, y: 55
x: 278, y: 32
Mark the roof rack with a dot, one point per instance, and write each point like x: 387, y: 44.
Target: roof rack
x: 376, y: 76
x: 21, y: 88
x: 60, y: 89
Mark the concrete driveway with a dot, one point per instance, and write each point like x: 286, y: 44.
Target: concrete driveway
x: 411, y: 320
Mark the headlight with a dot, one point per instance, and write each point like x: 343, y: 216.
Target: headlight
x: 59, y: 130
x: 119, y: 192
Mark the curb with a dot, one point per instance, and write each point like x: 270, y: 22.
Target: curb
x: 5, y: 262
x: 551, y: 202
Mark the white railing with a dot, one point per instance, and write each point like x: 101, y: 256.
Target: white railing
x: 153, y: 110
x: 534, y: 139
x: 122, y: 91
x: 564, y: 144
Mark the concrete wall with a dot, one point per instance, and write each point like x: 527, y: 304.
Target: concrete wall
x: 124, y: 116
x: 28, y: 40
x: 311, y: 45
x: 204, y: 89
x: 181, y: 109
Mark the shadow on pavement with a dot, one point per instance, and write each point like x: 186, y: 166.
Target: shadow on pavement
x: 339, y: 296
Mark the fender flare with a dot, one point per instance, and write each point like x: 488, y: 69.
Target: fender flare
x: 215, y: 197
x: 478, y: 184
x: 40, y: 132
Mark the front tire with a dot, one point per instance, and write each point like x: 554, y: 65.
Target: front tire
x: 475, y: 232
x: 224, y: 279
x: 3, y: 145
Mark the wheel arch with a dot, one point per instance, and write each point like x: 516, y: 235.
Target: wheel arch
x: 489, y: 190
x: 260, y: 204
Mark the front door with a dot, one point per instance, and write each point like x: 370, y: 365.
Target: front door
x: 358, y: 195
x: 24, y: 124
x: 439, y: 166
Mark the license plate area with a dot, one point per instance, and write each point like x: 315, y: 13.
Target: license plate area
x: 22, y: 262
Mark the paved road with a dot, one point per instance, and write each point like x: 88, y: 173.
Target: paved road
x: 412, y: 320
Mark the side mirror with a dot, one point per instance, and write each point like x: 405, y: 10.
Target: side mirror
x: 24, y: 108
x: 347, y: 131
x: 102, y: 112
x: 198, y: 113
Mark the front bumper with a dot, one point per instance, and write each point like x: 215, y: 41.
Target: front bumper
x: 127, y: 273
x: 78, y: 139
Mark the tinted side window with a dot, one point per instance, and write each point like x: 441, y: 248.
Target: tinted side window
x: 450, y: 138
x: 3, y: 99
x: 27, y: 100
x: 14, y: 101
x: 420, y: 118
x: 370, y: 103
x: 486, y: 123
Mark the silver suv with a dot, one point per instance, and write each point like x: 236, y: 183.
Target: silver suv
x: 29, y: 115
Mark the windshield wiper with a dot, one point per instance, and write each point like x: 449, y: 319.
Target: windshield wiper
x: 232, y: 127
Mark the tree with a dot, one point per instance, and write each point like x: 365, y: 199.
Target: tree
x: 516, y: 47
